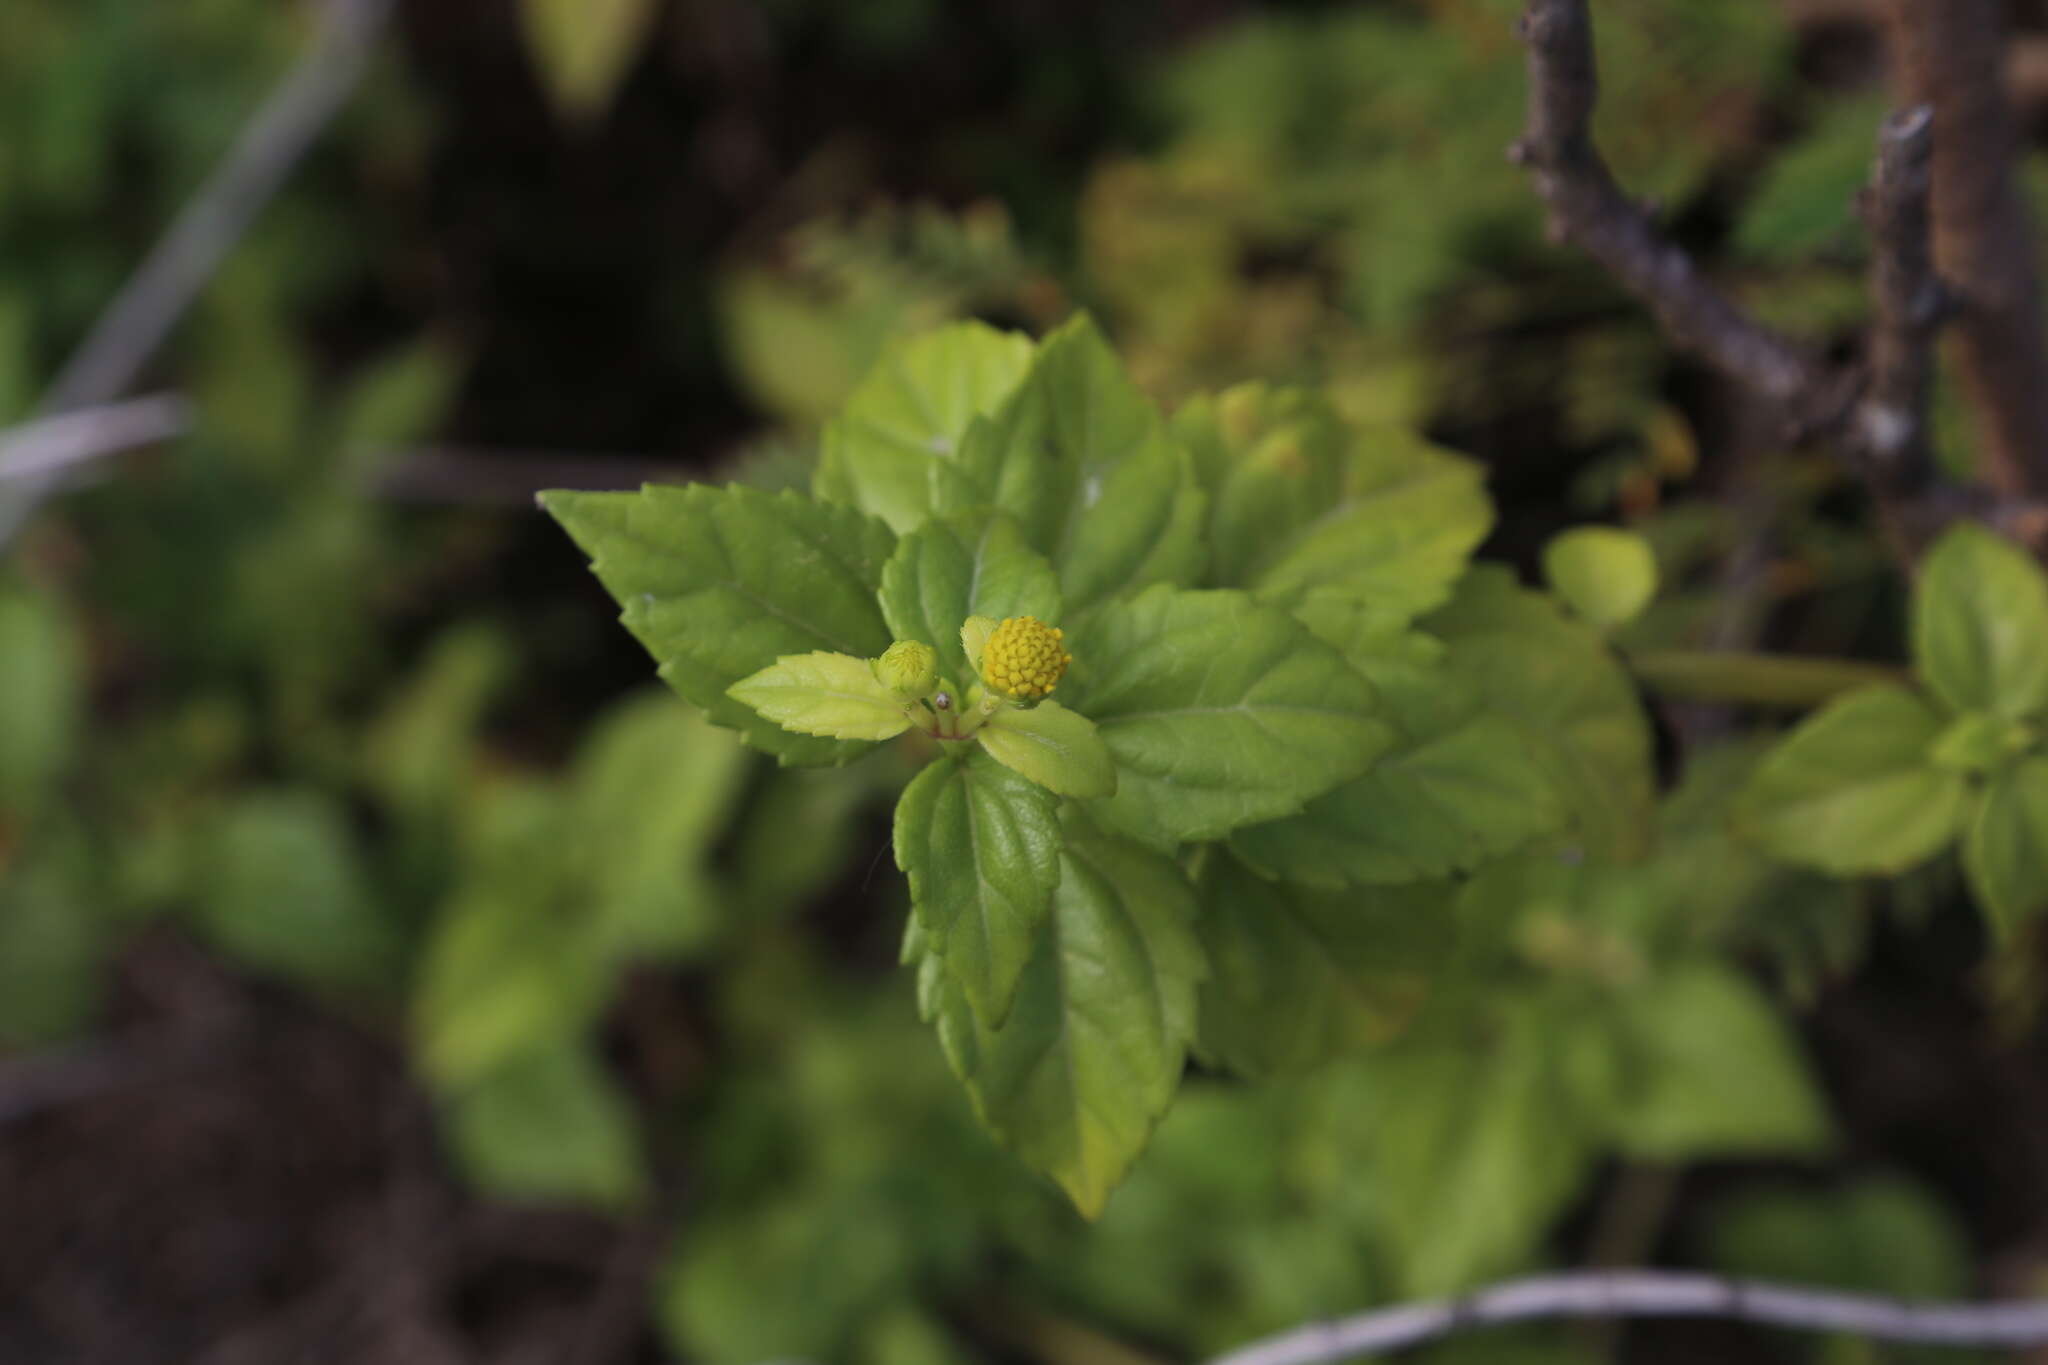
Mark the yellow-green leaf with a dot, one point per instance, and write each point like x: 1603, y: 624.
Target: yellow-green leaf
x: 1852, y: 790
x: 1605, y: 574
x: 833, y: 695
x: 583, y: 48
x: 1054, y: 747
x: 2005, y: 850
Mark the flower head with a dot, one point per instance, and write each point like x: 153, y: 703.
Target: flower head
x: 1024, y: 658
x: 909, y: 668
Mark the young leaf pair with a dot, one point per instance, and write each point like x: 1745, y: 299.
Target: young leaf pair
x: 1886, y: 777
x: 1013, y: 663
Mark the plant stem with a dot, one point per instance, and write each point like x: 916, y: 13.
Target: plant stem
x: 1756, y: 679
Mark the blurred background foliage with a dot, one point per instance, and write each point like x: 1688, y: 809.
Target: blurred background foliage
x: 313, y: 689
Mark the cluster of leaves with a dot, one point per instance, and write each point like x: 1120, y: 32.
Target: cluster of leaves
x: 1887, y: 777
x: 1384, y: 837
x: 1343, y: 759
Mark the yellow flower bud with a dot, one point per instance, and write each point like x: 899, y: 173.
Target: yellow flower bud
x: 1024, y: 658
x: 909, y: 668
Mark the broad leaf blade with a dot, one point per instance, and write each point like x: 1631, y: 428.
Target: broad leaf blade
x: 1427, y: 810
x: 550, y: 1124
x: 1220, y: 713
x: 2005, y: 849
x: 510, y: 964
x: 653, y: 788
x: 1404, y: 533
x: 718, y: 583
x: 1299, y: 977
x: 1715, y: 1073
x: 1084, y: 461
x: 1092, y: 1051
x: 1851, y: 791
x: 584, y: 47
x: 1980, y: 624
x: 1605, y: 574
x: 911, y: 412
x: 981, y: 847
x: 1054, y: 747
x: 1575, y: 706
x: 954, y: 567
x: 834, y: 695
x: 284, y: 886
x: 1271, y: 460
x: 1472, y: 1143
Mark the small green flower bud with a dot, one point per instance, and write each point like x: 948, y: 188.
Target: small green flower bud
x: 909, y: 668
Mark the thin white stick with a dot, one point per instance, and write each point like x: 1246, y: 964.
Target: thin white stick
x: 212, y: 222
x: 1652, y: 1294
x: 50, y: 446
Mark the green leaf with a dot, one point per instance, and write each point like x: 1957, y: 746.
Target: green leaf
x: 1980, y: 624
x: 1977, y: 742
x: 789, y: 1276
x: 1407, y: 526
x: 1083, y: 460
x: 1219, y: 712
x: 549, y: 1124
x: 1881, y: 1235
x: 1803, y: 200
x: 583, y: 48
x: 718, y: 583
x: 1299, y: 976
x: 397, y: 401
x: 981, y: 847
x: 2005, y: 849
x: 1427, y: 810
x: 1712, y: 1071
x: 282, y: 887
x: 1422, y: 697
x: 834, y: 695
x: 954, y: 567
x: 511, y: 964
x: 1271, y: 460
x: 1851, y: 790
x: 911, y: 412
x: 652, y: 789
x: 41, y: 691
x: 1605, y: 574
x: 1093, y: 1049
x: 1471, y: 1143
x: 1054, y: 747
x: 1574, y: 704
x: 416, y: 754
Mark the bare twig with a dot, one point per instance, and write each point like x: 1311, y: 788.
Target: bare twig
x: 1652, y: 1294
x: 50, y: 446
x: 1589, y: 210
x: 1873, y: 415
x: 215, y: 219
x: 1890, y: 427
x: 1949, y: 56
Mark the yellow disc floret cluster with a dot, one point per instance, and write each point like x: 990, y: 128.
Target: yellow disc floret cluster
x: 1024, y: 658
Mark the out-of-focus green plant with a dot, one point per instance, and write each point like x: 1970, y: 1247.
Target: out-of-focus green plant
x: 1475, y: 946
x: 1385, y: 942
